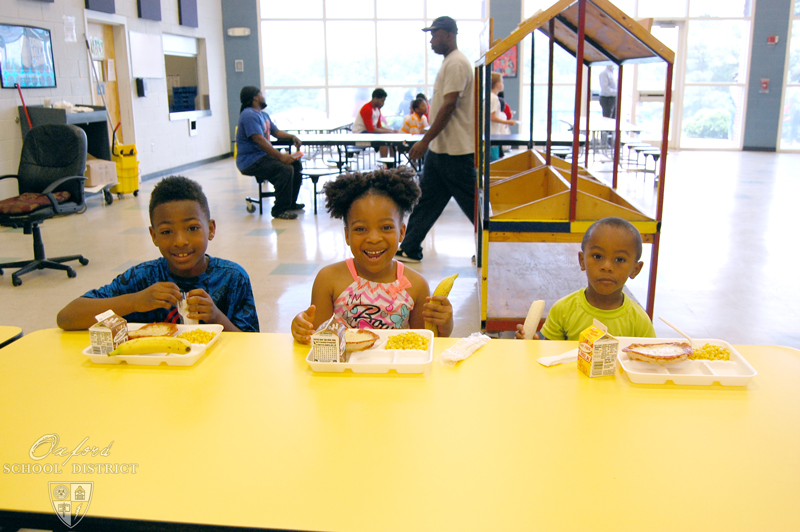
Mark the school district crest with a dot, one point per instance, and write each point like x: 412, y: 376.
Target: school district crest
x: 70, y: 500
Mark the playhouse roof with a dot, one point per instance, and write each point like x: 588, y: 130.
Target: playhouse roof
x: 611, y: 36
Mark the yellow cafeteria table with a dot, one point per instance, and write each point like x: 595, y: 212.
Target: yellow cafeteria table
x: 250, y: 437
x: 8, y: 334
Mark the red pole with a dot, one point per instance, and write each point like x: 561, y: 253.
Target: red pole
x: 617, y: 130
x: 552, y: 30
x: 576, y: 128
x: 24, y: 107
x: 651, y: 289
x: 588, y: 114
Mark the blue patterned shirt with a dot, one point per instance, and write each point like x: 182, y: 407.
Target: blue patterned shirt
x: 226, y: 282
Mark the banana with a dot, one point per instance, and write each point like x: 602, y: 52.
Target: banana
x: 533, y: 318
x: 151, y: 345
x: 442, y: 290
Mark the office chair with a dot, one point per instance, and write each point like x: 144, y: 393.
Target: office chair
x: 50, y: 179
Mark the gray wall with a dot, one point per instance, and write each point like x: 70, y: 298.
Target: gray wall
x: 767, y: 61
x: 240, y: 14
x: 507, y: 15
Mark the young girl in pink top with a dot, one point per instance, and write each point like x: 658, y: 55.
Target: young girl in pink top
x: 372, y: 290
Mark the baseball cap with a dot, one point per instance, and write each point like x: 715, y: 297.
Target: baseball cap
x: 443, y: 23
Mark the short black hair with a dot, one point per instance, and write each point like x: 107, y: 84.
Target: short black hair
x: 178, y: 188
x: 618, y: 223
x: 396, y: 184
x: 379, y: 93
x: 416, y: 103
x: 422, y: 96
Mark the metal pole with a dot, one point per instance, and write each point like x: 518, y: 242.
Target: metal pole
x: 588, y: 115
x: 617, y: 131
x: 576, y: 128
x: 533, y: 65
x: 552, y: 31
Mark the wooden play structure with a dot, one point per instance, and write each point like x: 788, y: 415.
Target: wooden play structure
x: 538, y: 197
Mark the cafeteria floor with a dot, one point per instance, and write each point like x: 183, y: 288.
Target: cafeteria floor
x: 727, y: 267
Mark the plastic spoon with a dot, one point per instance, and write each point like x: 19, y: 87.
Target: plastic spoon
x: 691, y: 342
x: 183, y: 310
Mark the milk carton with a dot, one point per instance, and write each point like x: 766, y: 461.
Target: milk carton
x: 597, y: 352
x: 109, y: 331
x: 328, y: 342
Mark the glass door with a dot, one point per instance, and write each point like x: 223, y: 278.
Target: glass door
x: 650, y: 83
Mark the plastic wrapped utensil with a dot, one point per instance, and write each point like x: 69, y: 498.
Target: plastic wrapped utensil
x: 463, y: 349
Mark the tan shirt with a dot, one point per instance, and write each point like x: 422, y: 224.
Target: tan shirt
x: 455, y: 75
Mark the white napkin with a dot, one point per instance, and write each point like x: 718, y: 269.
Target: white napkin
x: 463, y: 349
x: 563, y: 358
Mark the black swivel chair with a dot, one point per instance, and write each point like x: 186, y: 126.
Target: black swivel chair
x: 50, y: 179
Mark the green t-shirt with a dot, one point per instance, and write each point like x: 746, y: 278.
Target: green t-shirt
x: 573, y: 314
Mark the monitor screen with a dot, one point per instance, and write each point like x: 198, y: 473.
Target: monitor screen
x: 26, y: 57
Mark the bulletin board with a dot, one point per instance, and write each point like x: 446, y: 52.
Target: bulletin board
x: 507, y: 63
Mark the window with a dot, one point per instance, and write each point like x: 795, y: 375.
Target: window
x: 341, y: 50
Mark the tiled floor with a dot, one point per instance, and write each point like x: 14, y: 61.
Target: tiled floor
x: 727, y: 267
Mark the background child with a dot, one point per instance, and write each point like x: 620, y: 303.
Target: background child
x: 610, y: 253
x: 416, y: 122
x: 372, y: 290
x: 217, y: 290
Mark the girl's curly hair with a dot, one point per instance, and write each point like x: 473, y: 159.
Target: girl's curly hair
x: 397, y: 184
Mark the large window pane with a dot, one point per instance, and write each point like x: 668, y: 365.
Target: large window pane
x: 711, y: 113
x: 406, y: 9
x: 794, y: 54
x: 662, y: 9
x: 349, y: 9
x: 563, y: 110
x: 345, y: 103
x: 564, y: 63
x: 281, y: 71
x: 351, y: 53
x: 296, y: 9
x: 289, y: 107
x: 462, y: 9
x: 720, y: 8
x: 717, y: 50
x: 790, y: 132
x: 650, y: 117
x: 401, y: 53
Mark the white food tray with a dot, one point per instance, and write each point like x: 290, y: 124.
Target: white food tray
x: 377, y: 359
x: 734, y: 372
x: 170, y: 359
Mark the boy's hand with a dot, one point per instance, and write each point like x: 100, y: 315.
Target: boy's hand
x: 159, y: 295
x: 303, y: 325
x: 201, y: 306
x: 520, y: 334
x: 438, y: 311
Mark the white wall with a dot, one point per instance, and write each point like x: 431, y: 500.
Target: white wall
x: 161, y: 144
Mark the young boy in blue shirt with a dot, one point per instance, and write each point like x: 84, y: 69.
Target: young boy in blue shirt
x: 216, y: 290
x: 610, y: 253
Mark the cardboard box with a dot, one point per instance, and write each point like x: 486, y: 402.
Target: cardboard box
x: 100, y: 172
x: 597, y: 351
x: 109, y: 331
x: 328, y: 342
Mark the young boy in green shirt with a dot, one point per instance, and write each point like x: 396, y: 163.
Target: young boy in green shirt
x: 610, y: 253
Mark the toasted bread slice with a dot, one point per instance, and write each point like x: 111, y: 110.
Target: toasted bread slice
x: 359, y: 339
x: 662, y: 353
x: 154, y: 329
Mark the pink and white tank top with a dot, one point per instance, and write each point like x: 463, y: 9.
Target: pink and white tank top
x: 369, y: 305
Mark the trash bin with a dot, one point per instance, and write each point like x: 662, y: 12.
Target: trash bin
x: 124, y: 155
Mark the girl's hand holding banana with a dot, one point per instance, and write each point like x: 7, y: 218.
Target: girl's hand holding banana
x: 438, y: 311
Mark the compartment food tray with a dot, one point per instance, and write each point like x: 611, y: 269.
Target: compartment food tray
x: 734, y: 372
x: 378, y: 359
x: 170, y: 359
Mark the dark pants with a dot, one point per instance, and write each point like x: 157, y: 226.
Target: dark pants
x: 285, y: 178
x: 443, y: 177
x: 609, y: 105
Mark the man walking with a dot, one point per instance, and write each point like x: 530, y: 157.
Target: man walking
x: 448, y: 146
